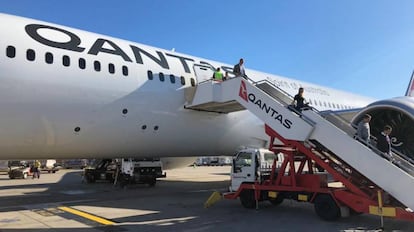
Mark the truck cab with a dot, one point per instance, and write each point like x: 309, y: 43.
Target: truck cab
x: 251, y: 165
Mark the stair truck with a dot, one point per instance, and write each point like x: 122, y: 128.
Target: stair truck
x: 300, y: 172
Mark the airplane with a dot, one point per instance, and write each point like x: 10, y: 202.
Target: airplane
x: 68, y: 93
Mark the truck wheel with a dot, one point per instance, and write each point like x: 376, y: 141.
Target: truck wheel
x: 326, y: 208
x: 277, y: 201
x: 90, y: 179
x: 152, y: 182
x: 247, y: 199
x: 123, y: 181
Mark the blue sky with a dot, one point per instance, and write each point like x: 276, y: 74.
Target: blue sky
x: 361, y: 46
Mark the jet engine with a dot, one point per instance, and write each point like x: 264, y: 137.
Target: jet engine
x: 399, y: 114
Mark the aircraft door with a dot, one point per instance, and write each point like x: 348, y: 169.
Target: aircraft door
x: 203, y: 72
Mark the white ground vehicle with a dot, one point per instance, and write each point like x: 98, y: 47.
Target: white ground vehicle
x: 145, y: 171
x: 126, y: 171
x: 49, y: 166
x: 4, y: 166
x: 250, y: 165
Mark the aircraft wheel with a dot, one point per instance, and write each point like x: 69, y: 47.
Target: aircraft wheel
x: 326, y: 208
x: 247, y: 199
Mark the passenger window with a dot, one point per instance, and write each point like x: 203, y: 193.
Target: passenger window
x: 30, y: 54
x: 97, y: 65
x: 192, y: 82
x: 329, y: 104
x: 161, y: 75
x: 82, y: 63
x: 111, y: 68
x: 66, y: 60
x: 49, y: 57
x: 11, y: 51
x: 182, y: 80
x: 150, y: 76
x: 172, y: 79
x: 125, y: 70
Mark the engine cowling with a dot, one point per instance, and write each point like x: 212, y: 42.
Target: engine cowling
x: 399, y: 114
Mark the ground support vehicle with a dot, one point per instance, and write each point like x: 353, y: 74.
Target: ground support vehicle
x: 20, y: 172
x: 297, y: 178
x: 125, y: 171
x: 103, y: 170
x: 143, y: 171
x: 49, y: 166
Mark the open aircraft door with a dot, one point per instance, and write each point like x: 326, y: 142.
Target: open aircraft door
x: 203, y: 72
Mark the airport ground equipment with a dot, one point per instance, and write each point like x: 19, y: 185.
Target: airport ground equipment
x: 49, y: 166
x: 103, y: 170
x: 368, y: 181
x: 19, y: 169
x: 126, y: 171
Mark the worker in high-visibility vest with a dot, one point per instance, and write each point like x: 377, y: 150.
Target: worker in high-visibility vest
x: 36, y: 171
x: 218, y: 75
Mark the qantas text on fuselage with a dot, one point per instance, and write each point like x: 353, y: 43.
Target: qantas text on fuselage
x: 100, y: 46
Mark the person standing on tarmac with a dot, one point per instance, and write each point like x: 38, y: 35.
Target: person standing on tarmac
x: 36, y: 169
x: 218, y: 75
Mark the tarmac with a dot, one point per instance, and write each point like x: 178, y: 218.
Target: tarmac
x: 63, y: 202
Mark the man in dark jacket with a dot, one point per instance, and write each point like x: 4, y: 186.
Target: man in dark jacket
x: 384, y: 142
x: 238, y: 69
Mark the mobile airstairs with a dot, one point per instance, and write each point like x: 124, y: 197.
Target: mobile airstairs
x: 369, y: 182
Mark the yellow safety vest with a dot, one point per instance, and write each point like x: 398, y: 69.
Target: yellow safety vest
x: 218, y: 76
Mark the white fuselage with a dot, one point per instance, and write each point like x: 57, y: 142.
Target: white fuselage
x: 69, y: 93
